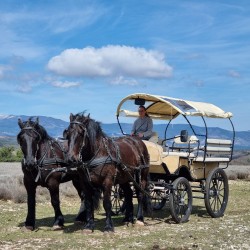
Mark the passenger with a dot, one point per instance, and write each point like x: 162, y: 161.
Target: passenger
x: 143, y: 125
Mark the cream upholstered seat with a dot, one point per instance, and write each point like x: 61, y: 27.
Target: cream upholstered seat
x: 154, y: 138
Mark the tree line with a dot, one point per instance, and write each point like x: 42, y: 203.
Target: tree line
x: 10, y: 154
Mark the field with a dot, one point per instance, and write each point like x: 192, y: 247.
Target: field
x: 201, y: 232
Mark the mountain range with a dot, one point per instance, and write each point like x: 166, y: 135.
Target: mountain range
x: 9, y: 129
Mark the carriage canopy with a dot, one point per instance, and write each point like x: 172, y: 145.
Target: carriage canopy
x: 167, y: 108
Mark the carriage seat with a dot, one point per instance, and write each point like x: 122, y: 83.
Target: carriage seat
x: 154, y: 137
x: 216, y: 150
x: 183, y: 149
x: 155, y: 152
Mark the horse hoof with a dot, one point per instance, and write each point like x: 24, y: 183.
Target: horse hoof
x: 87, y: 231
x: 57, y: 227
x: 78, y: 222
x: 128, y: 223
x: 139, y: 223
x: 27, y: 228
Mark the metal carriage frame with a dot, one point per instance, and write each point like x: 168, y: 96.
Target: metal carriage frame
x: 196, y: 159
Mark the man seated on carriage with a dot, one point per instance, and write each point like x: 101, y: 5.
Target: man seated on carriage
x: 143, y: 125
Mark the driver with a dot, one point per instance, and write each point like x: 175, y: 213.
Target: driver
x: 143, y: 125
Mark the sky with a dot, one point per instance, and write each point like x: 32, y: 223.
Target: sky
x: 67, y: 56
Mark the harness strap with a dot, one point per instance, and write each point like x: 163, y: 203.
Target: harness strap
x: 63, y: 170
x: 38, y: 175
x: 52, y: 161
x: 98, y: 161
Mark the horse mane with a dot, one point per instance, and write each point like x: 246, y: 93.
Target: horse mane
x: 93, y: 127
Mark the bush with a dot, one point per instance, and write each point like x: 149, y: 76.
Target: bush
x: 5, y: 193
x: 10, y: 154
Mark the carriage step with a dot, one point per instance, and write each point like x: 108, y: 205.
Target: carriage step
x: 198, y: 197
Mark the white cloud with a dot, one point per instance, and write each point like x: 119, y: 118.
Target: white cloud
x: 65, y: 84
x: 111, y: 61
x: 3, y: 69
x: 123, y: 81
x: 234, y: 74
x: 24, y: 88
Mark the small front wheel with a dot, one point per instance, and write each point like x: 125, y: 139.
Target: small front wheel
x: 158, y: 199
x: 180, y: 200
x: 216, y: 192
x: 117, y: 200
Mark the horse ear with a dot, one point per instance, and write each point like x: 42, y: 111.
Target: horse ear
x: 37, y: 120
x: 88, y: 115
x: 20, y: 123
x: 71, y: 117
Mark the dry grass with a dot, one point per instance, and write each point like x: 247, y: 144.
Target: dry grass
x: 12, y: 188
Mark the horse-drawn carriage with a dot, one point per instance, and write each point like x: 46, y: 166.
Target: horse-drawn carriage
x: 97, y: 163
x: 177, y: 161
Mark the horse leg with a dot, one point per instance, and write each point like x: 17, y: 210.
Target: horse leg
x: 30, y: 186
x: 89, y: 206
x: 128, y: 200
x: 109, y: 227
x: 53, y: 187
x: 141, y: 200
x: 81, y: 216
x: 139, y: 216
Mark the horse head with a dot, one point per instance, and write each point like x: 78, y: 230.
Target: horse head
x: 28, y: 139
x: 76, y: 134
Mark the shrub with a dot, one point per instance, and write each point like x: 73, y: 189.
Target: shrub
x: 12, y: 188
x: 5, y: 193
x: 242, y: 175
x: 239, y: 176
x: 10, y: 154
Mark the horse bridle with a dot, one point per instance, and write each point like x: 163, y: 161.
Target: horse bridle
x: 84, y: 137
x: 40, y: 138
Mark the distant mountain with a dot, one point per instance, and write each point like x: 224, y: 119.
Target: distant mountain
x: 9, y: 125
x: 9, y: 129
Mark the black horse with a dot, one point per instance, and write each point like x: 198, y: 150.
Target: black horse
x: 44, y: 164
x: 103, y: 162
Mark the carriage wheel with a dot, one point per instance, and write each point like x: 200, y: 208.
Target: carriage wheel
x: 180, y: 200
x: 117, y: 200
x: 158, y: 198
x: 216, y: 192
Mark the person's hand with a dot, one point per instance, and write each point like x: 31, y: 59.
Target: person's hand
x: 140, y: 135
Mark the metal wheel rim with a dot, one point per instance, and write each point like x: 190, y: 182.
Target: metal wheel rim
x: 181, y: 200
x: 216, y: 192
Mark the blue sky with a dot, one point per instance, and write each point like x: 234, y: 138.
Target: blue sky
x: 58, y: 57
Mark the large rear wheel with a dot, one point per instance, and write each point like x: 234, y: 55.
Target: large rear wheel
x: 216, y: 192
x: 180, y: 200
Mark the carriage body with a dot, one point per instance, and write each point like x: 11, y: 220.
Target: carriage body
x: 176, y: 161
x: 192, y: 166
